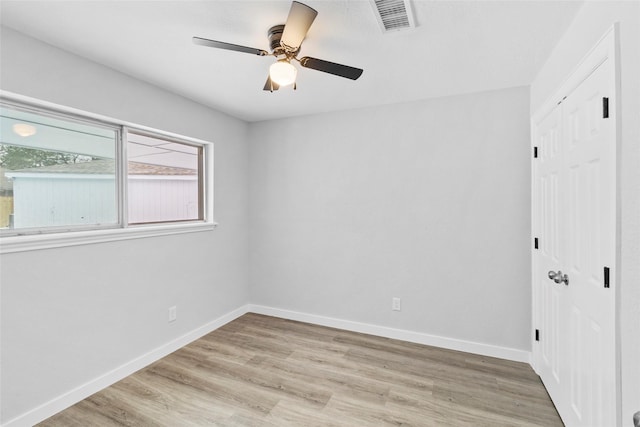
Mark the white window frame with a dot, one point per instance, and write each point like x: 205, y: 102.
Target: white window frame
x: 53, y: 237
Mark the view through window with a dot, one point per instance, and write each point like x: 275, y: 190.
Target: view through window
x: 58, y: 173
x: 163, y: 180
x: 55, y: 172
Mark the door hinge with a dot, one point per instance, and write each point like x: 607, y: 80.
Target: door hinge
x: 535, y: 243
x: 537, y: 334
x: 606, y: 277
x: 605, y: 108
x: 535, y: 152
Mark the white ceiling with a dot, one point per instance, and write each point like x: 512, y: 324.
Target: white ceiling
x: 457, y: 47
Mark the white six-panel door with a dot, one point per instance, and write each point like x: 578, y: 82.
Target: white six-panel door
x: 574, y: 220
x: 547, y: 211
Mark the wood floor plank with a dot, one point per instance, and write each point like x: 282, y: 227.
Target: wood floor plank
x: 247, y: 397
x: 179, y: 401
x: 263, y: 371
x: 345, y: 368
x: 290, y: 413
x: 279, y: 386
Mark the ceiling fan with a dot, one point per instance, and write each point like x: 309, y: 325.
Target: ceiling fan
x: 285, y: 41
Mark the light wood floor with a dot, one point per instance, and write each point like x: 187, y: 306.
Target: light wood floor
x: 265, y: 371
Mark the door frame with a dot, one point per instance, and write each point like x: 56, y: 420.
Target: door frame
x: 607, y: 48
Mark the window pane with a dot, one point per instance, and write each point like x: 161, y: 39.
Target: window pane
x: 55, y: 172
x: 164, y: 180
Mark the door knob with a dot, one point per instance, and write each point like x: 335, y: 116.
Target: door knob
x: 558, y: 277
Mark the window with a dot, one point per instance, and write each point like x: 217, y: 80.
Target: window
x: 56, y: 172
x: 63, y: 173
x: 164, y: 180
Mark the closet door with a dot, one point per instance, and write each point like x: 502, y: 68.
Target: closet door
x: 574, y: 182
x: 590, y: 193
x: 548, y: 212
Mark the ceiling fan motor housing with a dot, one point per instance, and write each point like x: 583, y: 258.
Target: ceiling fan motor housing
x: 275, y: 34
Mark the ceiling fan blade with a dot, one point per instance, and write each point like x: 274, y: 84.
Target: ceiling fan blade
x: 331, y: 68
x: 298, y: 23
x: 270, y: 85
x: 229, y: 46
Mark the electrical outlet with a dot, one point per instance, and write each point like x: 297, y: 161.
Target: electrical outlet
x: 396, y: 304
x: 173, y: 313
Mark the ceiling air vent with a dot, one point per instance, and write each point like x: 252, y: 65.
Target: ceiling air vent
x: 393, y: 15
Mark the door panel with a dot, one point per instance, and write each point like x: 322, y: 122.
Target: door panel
x: 548, y: 209
x: 575, y: 215
x: 591, y: 215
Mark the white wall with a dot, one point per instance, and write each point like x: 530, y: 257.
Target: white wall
x: 72, y: 314
x: 590, y: 24
x: 427, y: 201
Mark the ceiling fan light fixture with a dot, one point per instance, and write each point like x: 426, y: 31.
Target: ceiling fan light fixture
x: 283, y: 73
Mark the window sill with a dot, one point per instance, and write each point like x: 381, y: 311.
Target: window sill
x: 74, y: 238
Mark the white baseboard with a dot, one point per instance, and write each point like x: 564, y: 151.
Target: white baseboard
x: 62, y: 402
x: 399, y: 334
